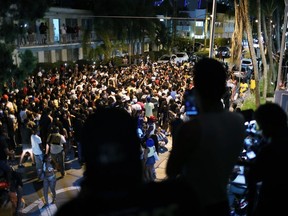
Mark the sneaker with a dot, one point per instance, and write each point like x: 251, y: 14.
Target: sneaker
x: 21, y: 166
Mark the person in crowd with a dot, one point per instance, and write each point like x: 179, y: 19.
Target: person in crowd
x: 55, y: 146
x: 114, y: 174
x: 49, y: 179
x: 150, y: 160
x: 16, y: 192
x: 243, y: 87
x: 208, y: 145
x: 268, y: 167
x: 26, y: 132
x: 63, y: 30
x: 10, y: 122
x: 149, y: 107
x: 45, y: 123
x: 77, y: 128
x: 162, y: 139
x: 175, y: 124
x: 226, y: 98
x: 151, y: 126
x: 4, y: 153
x: 37, y: 151
x: 252, y: 84
x: 43, y: 33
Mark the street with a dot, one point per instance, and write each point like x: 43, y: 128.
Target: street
x: 66, y: 188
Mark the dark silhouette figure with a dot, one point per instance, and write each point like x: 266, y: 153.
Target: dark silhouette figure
x: 270, y: 164
x: 45, y: 125
x: 113, y: 179
x: 5, y: 168
x: 16, y: 192
x: 208, y: 145
x: 175, y: 124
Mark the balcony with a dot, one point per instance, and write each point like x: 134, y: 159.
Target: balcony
x: 41, y: 40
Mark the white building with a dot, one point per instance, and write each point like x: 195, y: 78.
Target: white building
x: 54, y: 46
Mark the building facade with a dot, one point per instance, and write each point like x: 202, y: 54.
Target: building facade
x: 58, y: 36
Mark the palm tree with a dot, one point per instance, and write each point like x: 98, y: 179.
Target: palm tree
x: 236, y: 40
x: 244, y: 4
x: 269, y: 7
x: 126, y: 21
x: 279, y: 77
x: 263, y: 56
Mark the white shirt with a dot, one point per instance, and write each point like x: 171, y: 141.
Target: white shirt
x: 55, y: 149
x: 35, y: 141
x: 148, y: 109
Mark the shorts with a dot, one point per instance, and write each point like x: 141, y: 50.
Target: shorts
x: 150, y: 160
x: 26, y: 147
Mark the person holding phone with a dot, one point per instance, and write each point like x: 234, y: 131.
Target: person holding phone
x: 208, y: 145
x: 265, y: 176
x: 191, y: 108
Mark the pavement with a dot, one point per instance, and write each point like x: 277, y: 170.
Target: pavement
x: 66, y: 188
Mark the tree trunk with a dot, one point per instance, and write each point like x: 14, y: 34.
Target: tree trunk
x: 236, y: 40
x: 280, y: 79
x: 263, y: 57
x: 248, y: 30
x: 271, y: 73
x: 265, y: 71
x: 277, y: 28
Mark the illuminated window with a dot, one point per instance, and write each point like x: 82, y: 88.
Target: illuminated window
x: 199, y: 23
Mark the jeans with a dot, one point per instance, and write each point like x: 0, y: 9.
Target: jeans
x: 59, y: 159
x: 232, y: 190
x: 38, y: 161
x: 49, y: 182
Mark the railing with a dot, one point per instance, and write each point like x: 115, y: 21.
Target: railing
x: 45, y: 39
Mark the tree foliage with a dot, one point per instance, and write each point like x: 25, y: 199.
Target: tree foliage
x: 6, y: 64
x: 133, y: 20
x: 15, y: 12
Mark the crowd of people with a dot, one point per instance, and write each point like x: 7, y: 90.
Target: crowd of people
x: 57, y: 106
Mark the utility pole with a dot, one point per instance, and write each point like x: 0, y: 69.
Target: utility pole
x: 207, y: 18
x: 174, y: 22
x: 212, y: 32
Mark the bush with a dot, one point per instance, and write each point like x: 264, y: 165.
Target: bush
x: 202, y: 54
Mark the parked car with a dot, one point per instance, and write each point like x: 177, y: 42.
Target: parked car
x: 193, y: 57
x: 167, y: 58
x: 245, y: 73
x: 223, y: 51
x: 181, y: 57
x: 247, y: 62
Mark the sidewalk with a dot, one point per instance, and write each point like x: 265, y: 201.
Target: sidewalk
x: 160, y: 165
x: 67, y: 187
